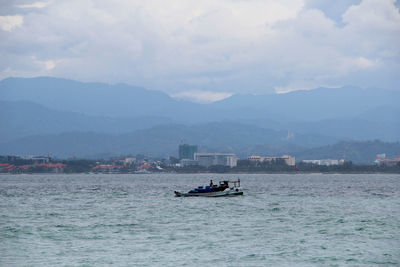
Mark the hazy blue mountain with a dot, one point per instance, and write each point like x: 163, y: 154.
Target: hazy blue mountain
x: 61, y: 145
x: 123, y: 100
x: 152, y: 143
x: 343, y: 113
x: 23, y: 118
x: 359, y: 129
x: 347, y: 112
x: 161, y: 140
x: 356, y: 151
x: 316, y: 104
x: 389, y: 114
x: 118, y: 100
x: 377, y: 123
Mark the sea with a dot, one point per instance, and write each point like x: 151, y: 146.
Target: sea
x: 135, y: 220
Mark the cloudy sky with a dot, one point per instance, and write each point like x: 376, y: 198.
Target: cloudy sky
x: 205, y: 49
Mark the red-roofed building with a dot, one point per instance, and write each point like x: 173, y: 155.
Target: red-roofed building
x: 382, y: 160
x: 5, y: 167
x: 108, y: 168
x: 145, y: 167
x: 54, y: 167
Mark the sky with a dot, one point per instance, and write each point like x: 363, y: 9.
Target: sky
x: 205, y: 50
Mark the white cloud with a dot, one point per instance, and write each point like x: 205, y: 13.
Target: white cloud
x: 34, y: 5
x: 364, y: 63
x: 49, y: 64
x: 202, y: 96
x: 44, y: 65
x: 212, y: 46
x: 8, y: 23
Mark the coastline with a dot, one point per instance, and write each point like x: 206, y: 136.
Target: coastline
x: 211, y: 173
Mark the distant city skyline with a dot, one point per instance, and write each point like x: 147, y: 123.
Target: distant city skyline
x: 208, y: 50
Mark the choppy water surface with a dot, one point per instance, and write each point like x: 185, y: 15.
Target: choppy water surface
x: 134, y: 220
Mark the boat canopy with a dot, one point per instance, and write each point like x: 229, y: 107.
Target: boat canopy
x: 235, y: 183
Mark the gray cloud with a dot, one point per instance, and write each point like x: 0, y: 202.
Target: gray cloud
x: 216, y: 46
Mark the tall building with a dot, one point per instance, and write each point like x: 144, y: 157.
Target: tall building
x: 210, y: 159
x: 187, y: 151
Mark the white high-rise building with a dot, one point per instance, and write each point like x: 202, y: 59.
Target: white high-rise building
x: 210, y: 159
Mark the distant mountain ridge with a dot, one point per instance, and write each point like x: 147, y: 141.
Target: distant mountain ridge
x: 123, y: 100
x: 316, y: 104
x: 23, y: 118
x: 160, y: 140
x: 97, y: 99
x: 59, y: 114
x: 356, y: 151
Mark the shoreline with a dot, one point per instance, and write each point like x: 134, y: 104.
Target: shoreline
x: 191, y: 173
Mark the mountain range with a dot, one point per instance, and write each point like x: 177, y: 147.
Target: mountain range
x: 162, y: 140
x: 64, y: 117
x: 151, y: 142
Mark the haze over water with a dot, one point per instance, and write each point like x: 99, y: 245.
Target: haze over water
x: 134, y: 220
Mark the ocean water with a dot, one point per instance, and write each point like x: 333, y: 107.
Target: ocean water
x: 135, y: 220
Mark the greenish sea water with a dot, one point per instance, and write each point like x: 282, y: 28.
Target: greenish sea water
x: 135, y: 220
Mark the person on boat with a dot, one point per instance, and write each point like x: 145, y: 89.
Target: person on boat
x: 211, y: 183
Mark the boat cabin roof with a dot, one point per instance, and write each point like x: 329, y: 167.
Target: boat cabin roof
x: 227, y: 181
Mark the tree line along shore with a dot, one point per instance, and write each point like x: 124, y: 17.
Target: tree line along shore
x: 16, y: 165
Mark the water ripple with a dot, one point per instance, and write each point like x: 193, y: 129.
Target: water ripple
x: 134, y: 220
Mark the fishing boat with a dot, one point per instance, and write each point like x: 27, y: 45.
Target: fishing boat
x: 224, y: 188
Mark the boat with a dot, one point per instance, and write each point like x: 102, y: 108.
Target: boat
x: 224, y: 188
